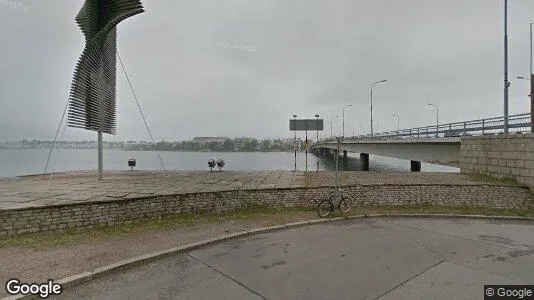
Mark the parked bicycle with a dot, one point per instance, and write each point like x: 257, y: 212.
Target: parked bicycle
x: 336, y: 199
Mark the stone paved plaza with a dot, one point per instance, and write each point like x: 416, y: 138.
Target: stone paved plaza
x: 83, y: 186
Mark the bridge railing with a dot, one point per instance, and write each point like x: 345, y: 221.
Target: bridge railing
x: 516, y: 123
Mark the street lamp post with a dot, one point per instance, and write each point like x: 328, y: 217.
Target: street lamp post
x: 531, y: 78
x: 343, y: 135
x: 506, y: 82
x: 331, y: 123
x: 372, y: 85
x: 398, y: 127
x: 437, y: 117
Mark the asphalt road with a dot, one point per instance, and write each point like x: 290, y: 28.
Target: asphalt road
x: 359, y: 259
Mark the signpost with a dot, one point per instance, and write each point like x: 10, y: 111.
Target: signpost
x: 304, y: 125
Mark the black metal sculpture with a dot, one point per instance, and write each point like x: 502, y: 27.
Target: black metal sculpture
x: 92, y: 103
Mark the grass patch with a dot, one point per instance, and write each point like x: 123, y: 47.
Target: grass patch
x: 438, y: 209
x: 494, y: 180
x: 248, y: 214
x: 435, y: 209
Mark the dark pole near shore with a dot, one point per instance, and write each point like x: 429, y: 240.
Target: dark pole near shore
x: 306, y: 144
x: 506, y: 83
x: 317, y: 129
x: 316, y: 150
x: 531, y: 86
x: 295, y: 142
x: 531, y: 102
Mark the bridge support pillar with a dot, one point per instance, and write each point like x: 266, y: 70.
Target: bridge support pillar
x: 364, y: 162
x: 415, y: 166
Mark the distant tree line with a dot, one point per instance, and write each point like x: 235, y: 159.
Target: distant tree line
x: 228, y: 145
x: 246, y: 144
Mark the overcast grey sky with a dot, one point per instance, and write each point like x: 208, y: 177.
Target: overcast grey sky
x: 244, y: 67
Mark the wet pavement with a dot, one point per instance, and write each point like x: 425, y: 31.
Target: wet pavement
x: 83, y: 186
x: 76, y: 187
x: 403, y: 258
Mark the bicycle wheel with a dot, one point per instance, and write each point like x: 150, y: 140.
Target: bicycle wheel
x: 324, y: 208
x: 343, y: 206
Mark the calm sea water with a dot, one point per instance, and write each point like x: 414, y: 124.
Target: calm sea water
x: 16, y: 162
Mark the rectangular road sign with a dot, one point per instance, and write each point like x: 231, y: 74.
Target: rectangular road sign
x: 305, y: 125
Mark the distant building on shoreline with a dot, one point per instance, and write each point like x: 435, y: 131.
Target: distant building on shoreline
x: 201, y: 140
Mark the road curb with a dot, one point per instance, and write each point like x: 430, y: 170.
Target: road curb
x: 139, y: 260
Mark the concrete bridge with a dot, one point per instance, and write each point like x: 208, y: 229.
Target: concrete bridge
x: 443, y: 150
x: 439, y: 144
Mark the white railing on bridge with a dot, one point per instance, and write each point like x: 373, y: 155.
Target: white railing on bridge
x: 516, y: 123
